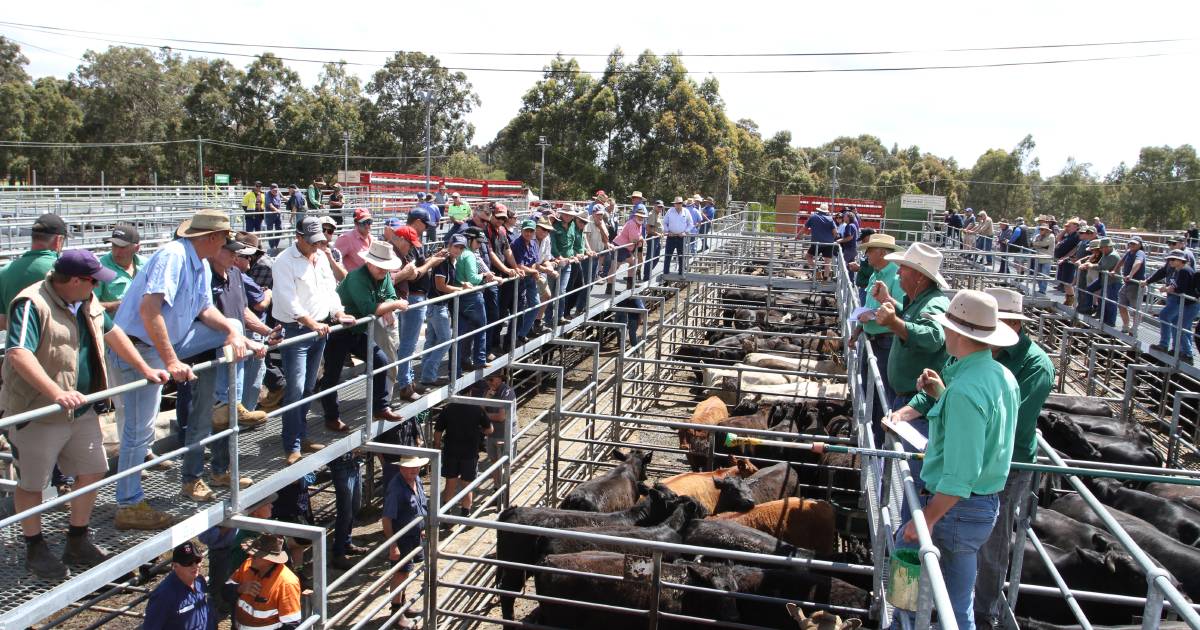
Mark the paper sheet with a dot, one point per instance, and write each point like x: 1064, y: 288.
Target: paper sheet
x: 859, y: 311
x: 907, y: 433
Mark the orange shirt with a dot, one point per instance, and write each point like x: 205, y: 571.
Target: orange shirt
x: 277, y: 603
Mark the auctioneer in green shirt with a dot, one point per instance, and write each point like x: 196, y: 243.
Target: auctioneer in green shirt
x: 362, y: 294
x: 889, y: 276
x: 971, y: 428
x: 562, y: 241
x: 926, y: 343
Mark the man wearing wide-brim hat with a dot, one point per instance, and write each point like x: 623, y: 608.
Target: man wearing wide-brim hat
x: 1183, y: 291
x: 405, y: 501
x: 1133, y: 273
x: 922, y: 345
x: 566, y: 245
x: 1034, y: 373
x: 877, y: 247
x: 1042, y: 245
x: 1104, y: 281
x: 1064, y: 254
x: 972, y: 408
x: 267, y: 592
x: 172, y: 319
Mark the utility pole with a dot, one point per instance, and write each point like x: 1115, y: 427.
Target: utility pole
x: 428, y: 154
x: 542, y: 173
x: 346, y: 146
x: 200, y: 159
x: 728, y: 184
x: 934, y: 186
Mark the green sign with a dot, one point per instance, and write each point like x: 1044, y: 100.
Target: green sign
x: 221, y: 178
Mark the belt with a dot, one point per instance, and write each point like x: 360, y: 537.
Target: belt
x: 926, y: 493
x: 137, y: 341
x: 418, y: 293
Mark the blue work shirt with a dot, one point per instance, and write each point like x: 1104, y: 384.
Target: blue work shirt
x: 850, y: 247
x: 402, y: 505
x: 525, y: 253
x: 435, y: 213
x: 1101, y: 230
x: 174, y: 606
x: 185, y: 283
x: 1130, y: 259
x: 694, y: 212
x: 710, y: 212
x: 822, y: 227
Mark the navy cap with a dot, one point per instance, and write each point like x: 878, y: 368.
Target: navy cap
x: 124, y: 235
x: 458, y: 239
x: 187, y: 553
x: 81, y: 263
x: 419, y: 214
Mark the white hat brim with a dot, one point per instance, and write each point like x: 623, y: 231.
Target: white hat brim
x: 1001, y: 337
x: 937, y: 278
x: 1011, y: 315
x: 412, y: 462
x: 390, y: 264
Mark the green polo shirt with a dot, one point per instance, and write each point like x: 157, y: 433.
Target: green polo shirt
x: 926, y: 344
x: 466, y: 269
x: 361, y: 294
x: 459, y: 212
x: 24, y: 271
x: 890, y: 277
x: 115, y: 290
x: 862, y: 277
x: 562, y: 240
x: 971, y: 428
x: 1034, y: 372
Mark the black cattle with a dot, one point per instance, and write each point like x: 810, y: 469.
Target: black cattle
x: 1181, y: 560
x: 1064, y: 532
x: 1070, y: 438
x: 1082, y: 569
x: 522, y: 548
x: 1171, y: 518
x: 1102, y: 425
x: 768, y: 484
x: 1033, y: 624
x: 835, y: 594
x: 616, y: 489
x: 687, y: 509
x: 1187, y: 495
x: 737, y: 537
x: 1080, y: 405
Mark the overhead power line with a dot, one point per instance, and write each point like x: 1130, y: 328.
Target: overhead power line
x: 785, y: 71
x: 218, y: 143
x: 941, y: 180
x: 843, y: 53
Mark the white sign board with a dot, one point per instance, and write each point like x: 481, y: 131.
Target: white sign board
x: 934, y: 203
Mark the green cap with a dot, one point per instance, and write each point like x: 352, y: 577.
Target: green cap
x: 528, y: 224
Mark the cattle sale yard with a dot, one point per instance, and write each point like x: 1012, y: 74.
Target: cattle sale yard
x: 315, y: 333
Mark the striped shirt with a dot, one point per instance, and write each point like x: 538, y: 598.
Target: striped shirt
x: 277, y: 603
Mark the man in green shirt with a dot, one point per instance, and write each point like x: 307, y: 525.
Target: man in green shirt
x: 125, y: 261
x: 368, y: 290
x: 472, y: 315
x: 972, y: 420
x: 48, y: 236
x: 876, y: 248
x: 1034, y: 372
x: 566, y: 245
x: 458, y: 210
x: 1101, y: 290
x: 313, y: 194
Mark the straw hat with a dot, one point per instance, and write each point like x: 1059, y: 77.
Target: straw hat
x: 1074, y: 220
x: 1009, y: 303
x: 412, y: 461
x: 882, y: 241
x: 823, y: 207
x: 636, y: 193
x: 923, y: 258
x: 545, y: 225
x: 973, y: 314
x: 383, y: 256
x: 204, y: 222
x: 268, y: 547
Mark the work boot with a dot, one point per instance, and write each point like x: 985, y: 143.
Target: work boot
x: 272, y: 400
x: 221, y: 480
x: 250, y: 418
x: 293, y: 457
x: 309, y: 446
x: 142, y: 516
x: 43, y: 564
x: 1069, y: 301
x: 197, y: 490
x: 246, y: 419
x: 82, y: 551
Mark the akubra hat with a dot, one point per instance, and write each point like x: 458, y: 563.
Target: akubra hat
x: 268, y: 547
x: 882, y: 241
x: 412, y: 461
x: 923, y: 258
x: 205, y: 221
x: 974, y: 314
x: 1009, y: 303
x: 383, y: 256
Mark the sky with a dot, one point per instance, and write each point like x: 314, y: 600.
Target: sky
x: 1099, y: 112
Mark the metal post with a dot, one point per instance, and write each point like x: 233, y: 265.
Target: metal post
x: 200, y: 160
x: 656, y: 598
x: 542, y: 173
x: 431, y: 539
x: 102, y: 179
x: 428, y: 151
x: 452, y: 374
x: 235, y: 488
x: 346, y: 150
x: 370, y: 384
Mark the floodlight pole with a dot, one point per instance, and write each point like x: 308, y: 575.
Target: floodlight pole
x: 542, y: 173
x: 428, y: 155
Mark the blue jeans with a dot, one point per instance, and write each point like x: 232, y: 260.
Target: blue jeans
x: 528, y: 304
x: 301, y: 363
x: 141, y: 405
x: 255, y: 371
x: 1043, y: 270
x: 958, y: 536
x: 984, y: 243
x: 1108, y: 303
x: 273, y: 222
x: 1168, y: 317
x: 564, y: 281
x: 704, y: 229
x: 1168, y: 336
x: 472, y: 316
x: 254, y: 221
x: 437, y: 331
x: 204, y: 389
x: 588, y: 267
x: 411, y: 321
x: 347, y: 490
x: 882, y: 346
x: 674, y: 246
x: 491, y: 311
x: 653, y: 249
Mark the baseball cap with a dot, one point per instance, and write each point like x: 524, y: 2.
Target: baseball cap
x: 500, y: 210
x: 394, y: 223
x: 865, y: 234
x: 418, y: 214
x: 124, y: 235
x: 50, y: 224
x: 80, y: 263
x: 310, y: 229
x: 472, y: 233
x: 458, y: 239
x: 528, y: 224
x: 257, y: 183
x: 408, y: 234
x: 187, y: 553
x: 328, y: 220
x: 658, y: 203
x: 240, y: 248
x: 362, y: 215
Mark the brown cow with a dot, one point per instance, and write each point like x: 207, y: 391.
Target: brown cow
x: 700, y: 486
x: 802, y: 522
x: 695, y: 441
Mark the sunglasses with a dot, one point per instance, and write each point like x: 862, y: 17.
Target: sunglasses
x: 91, y: 279
x: 367, y: 222
x: 328, y: 230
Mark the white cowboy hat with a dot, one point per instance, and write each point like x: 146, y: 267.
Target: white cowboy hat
x: 412, y: 461
x: 923, y: 258
x: 383, y: 256
x: 973, y: 314
x: 1009, y: 303
x: 823, y: 207
x: 882, y: 241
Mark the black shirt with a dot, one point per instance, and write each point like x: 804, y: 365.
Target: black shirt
x: 462, y: 428
x: 444, y: 270
x: 422, y: 283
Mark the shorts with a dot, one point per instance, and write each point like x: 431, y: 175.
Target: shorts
x: 1066, y: 273
x: 1128, y: 295
x: 825, y: 250
x: 465, y: 468
x: 76, y: 446
x: 494, y: 444
x: 543, y: 287
x: 623, y: 255
x: 407, y: 567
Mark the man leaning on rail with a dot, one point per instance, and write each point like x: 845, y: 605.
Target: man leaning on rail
x: 972, y: 419
x: 173, y: 319
x: 57, y: 333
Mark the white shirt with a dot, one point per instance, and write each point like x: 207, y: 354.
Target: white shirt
x: 677, y: 222
x: 544, y: 250
x: 303, y: 288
